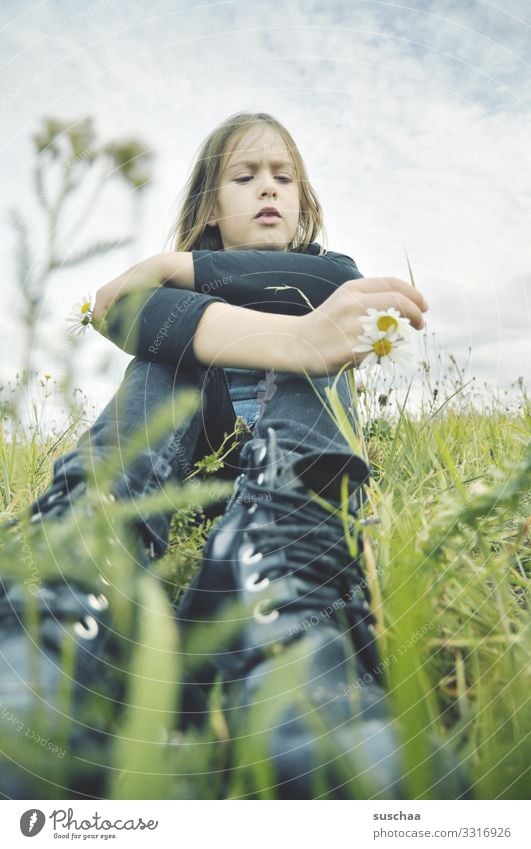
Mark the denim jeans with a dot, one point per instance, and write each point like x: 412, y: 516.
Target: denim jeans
x: 284, y: 401
x: 249, y: 389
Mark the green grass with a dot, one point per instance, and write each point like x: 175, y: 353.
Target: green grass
x: 447, y: 555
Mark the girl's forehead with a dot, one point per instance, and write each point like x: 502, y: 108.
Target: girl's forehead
x: 267, y: 145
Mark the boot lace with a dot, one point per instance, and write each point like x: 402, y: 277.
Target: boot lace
x: 296, y: 537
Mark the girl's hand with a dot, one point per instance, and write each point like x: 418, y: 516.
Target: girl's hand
x: 147, y: 274
x: 326, y: 336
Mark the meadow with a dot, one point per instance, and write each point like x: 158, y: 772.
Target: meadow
x: 446, y: 526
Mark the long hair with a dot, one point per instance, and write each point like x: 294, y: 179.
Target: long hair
x: 191, y: 231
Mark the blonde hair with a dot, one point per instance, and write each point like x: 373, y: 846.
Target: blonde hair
x: 191, y: 231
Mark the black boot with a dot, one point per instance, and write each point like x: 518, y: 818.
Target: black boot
x: 285, y: 559
x: 64, y: 650
x: 302, y: 673
x: 69, y: 484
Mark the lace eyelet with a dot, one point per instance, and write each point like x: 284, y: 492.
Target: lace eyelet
x: 260, y: 479
x: 54, y: 496
x: 87, y: 631
x: 252, y: 508
x: 98, y: 602
x: 249, y: 555
x: 262, y: 617
x: 254, y: 585
x: 263, y: 452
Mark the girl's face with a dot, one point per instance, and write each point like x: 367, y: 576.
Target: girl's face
x: 259, y: 172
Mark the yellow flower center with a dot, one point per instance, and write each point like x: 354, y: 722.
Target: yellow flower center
x: 386, y: 322
x: 382, y: 347
x: 85, y: 307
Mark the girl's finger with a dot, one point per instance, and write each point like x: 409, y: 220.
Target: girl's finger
x: 374, y: 285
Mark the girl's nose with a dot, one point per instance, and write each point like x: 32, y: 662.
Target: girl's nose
x: 268, y: 187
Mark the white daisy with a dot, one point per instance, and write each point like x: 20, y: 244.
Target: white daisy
x: 80, y: 316
x: 385, y: 351
x: 387, y: 322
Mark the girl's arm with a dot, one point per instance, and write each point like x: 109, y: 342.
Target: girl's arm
x: 249, y: 278
x: 282, y: 282
x: 194, y: 330
x: 144, y: 275
x: 319, y: 343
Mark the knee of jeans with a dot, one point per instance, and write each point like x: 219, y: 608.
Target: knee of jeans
x: 138, y: 364
x: 173, y: 377
x: 132, y: 365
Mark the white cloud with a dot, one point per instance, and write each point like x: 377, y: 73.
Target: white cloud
x: 412, y: 123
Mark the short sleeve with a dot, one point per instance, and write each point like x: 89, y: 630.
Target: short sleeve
x: 158, y: 324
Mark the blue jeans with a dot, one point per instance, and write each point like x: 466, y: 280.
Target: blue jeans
x: 249, y: 389
x: 283, y: 401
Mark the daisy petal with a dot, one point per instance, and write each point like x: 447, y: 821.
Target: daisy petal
x: 80, y: 316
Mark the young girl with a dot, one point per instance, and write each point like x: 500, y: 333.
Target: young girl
x: 257, y: 316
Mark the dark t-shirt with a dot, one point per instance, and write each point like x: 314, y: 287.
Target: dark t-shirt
x: 255, y: 278
x: 159, y: 324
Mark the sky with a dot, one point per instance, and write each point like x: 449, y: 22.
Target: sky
x: 413, y: 119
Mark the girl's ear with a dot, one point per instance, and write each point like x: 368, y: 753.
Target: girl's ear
x: 213, y: 220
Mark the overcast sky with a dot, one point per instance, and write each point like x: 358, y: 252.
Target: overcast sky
x: 413, y: 119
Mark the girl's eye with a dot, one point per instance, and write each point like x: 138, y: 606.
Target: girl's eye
x: 244, y: 179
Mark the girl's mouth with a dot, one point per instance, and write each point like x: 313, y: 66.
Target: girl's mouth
x: 268, y: 218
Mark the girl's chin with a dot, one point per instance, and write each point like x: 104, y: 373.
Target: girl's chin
x: 271, y: 241
x: 262, y: 241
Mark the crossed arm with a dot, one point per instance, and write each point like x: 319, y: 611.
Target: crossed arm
x: 247, y: 309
